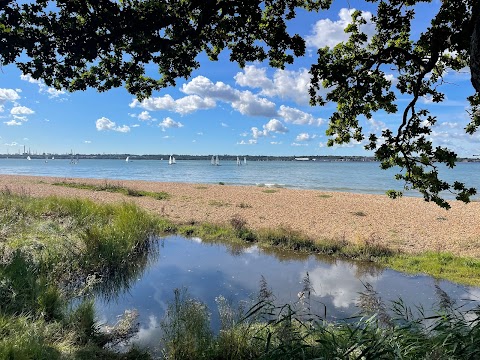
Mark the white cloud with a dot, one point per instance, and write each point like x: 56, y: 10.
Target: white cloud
x: 376, y: 125
x: 223, y: 124
x: 243, y: 101
x: 249, y: 142
x: 8, y: 95
x: 42, y: 88
x: 2, y: 108
x: 12, y: 144
x: 185, y: 105
x: 326, y: 32
x: 200, y: 133
x: 87, y: 142
x: 106, y: 124
x: 285, y: 84
x: 276, y: 142
x: 298, y: 117
x: 168, y: 123
x: 134, y: 125
x: 20, y: 118
x: 144, y: 116
x: 21, y: 110
x: 305, y: 137
x: 123, y: 129
x: 273, y: 126
x: 13, y: 123
x: 297, y: 144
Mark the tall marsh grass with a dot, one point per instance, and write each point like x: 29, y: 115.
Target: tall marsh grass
x: 291, y: 331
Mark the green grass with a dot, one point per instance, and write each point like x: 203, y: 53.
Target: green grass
x: 54, y: 249
x: 269, y: 191
x: 218, y: 203
x: 108, y: 187
x: 439, y: 265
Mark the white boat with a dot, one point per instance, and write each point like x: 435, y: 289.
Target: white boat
x: 127, y: 159
x: 28, y: 158
x: 53, y: 157
x: 238, y: 161
x: 171, y: 160
x: 302, y: 159
x: 244, y: 160
x: 212, y: 161
x: 217, y: 162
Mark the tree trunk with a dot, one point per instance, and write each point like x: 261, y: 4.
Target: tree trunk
x: 475, y: 55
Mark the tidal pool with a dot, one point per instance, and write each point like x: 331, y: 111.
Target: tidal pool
x: 208, y: 271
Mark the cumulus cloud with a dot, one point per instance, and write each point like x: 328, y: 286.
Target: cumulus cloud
x: 243, y: 101
x: 305, y: 137
x: 21, y: 110
x: 144, y: 116
x: 42, y: 88
x: 249, y: 142
x: 326, y: 32
x: 285, y: 84
x: 87, y: 142
x: 168, y: 123
x: 13, y: 123
x: 185, y: 105
x: 106, y: 124
x: 298, y: 117
x: 273, y: 126
x: 8, y: 95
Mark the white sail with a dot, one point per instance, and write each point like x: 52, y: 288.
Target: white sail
x: 170, y: 160
x: 245, y: 160
x: 213, y: 160
x: 127, y: 159
x: 238, y: 161
x: 53, y: 157
x: 217, y: 162
x: 28, y: 158
x: 173, y: 160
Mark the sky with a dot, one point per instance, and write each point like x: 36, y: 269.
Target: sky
x: 221, y: 109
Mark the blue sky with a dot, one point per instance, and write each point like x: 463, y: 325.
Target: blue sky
x: 222, y: 109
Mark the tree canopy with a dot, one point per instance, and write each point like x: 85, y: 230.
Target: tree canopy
x: 102, y: 44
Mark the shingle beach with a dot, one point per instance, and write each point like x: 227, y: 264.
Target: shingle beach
x: 408, y: 224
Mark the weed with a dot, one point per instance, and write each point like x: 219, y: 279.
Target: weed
x: 218, y: 203
x: 243, y: 205
x: 324, y: 196
x: 269, y: 191
x: 221, y: 183
x: 359, y: 213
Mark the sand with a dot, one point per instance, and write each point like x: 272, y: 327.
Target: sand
x: 408, y: 224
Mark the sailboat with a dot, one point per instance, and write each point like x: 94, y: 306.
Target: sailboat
x: 212, y: 161
x: 28, y: 158
x: 244, y: 160
x: 171, y: 160
x: 53, y: 157
x: 127, y: 159
x: 238, y: 161
x: 217, y: 162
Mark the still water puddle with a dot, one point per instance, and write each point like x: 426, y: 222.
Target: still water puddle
x: 211, y: 270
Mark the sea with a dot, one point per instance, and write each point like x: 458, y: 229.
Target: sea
x: 344, y: 176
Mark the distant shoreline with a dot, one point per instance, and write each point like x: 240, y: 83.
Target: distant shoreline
x: 407, y: 224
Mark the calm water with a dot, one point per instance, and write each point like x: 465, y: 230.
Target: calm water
x: 358, y: 177
x: 211, y: 270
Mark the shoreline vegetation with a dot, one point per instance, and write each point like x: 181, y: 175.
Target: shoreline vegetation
x: 63, y: 244
x: 57, y: 253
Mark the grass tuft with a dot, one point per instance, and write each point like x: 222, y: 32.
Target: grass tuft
x: 114, y: 188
